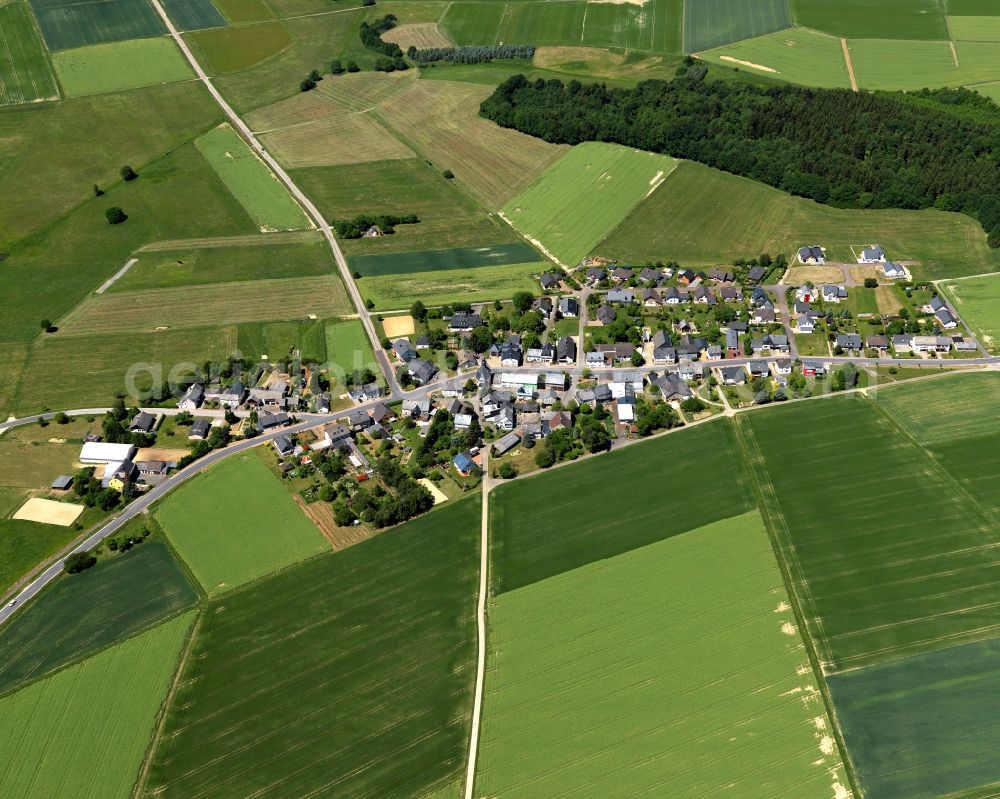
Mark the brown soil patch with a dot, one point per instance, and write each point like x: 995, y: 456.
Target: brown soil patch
x: 47, y: 511
x: 814, y: 274
x: 396, y: 326
x: 321, y: 514
x: 159, y: 454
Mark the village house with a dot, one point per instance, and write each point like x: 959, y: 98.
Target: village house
x: 404, y: 350
x: 566, y: 350
x: 848, y: 341
x: 873, y: 254
x: 929, y: 344
x: 963, y: 344
x: 569, y: 307
x: 200, y: 429
x: 832, y: 293
x: 421, y: 371
x: 879, y: 343
x: 506, y: 443
x: 621, y: 274
x: 623, y: 296
x: 946, y: 319
x: 813, y: 368
x: 650, y: 275
x: 365, y: 393
x: 770, y: 343
x: 757, y: 368
x: 804, y: 324
x: 543, y: 305
x: 595, y: 275
x: 651, y: 298
x: 732, y: 375
x: 464, y: 321
x: 902, y: 342
x: 811, y: 255
x: 894, y: 271
x: 192, y: 399
x: 283, y: 445
x: 550, y: 281
x: 663, y: 348
x: 606, y: 315
x: 782, y: 366
x: 510, y: 352
x: 756, y: 274
x: 416, y: 408
x: 142, y: 422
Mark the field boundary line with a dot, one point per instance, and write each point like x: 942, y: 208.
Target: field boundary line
x: 850, y: 64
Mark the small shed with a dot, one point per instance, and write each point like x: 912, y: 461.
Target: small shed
x: 62, y: 483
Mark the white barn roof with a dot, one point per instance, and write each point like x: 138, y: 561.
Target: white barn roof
x: 101, y: 452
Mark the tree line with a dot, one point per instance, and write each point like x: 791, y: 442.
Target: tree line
x: 470, y: 55
x: 371, y: 37
x: 929, y: 149
x: 386, y: 224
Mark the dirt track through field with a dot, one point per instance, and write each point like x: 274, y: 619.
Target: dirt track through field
x: 850, y: 64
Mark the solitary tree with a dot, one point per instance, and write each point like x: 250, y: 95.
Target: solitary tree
x: 115, y: 215
x: 448, y: 174
x: 336, y: 67
x: 78, y: 562
x: 352, y: 66
x: 418, y: 311
x: 522, y: 301
x: 128, y: 173
x: 315, y: 76
x: 46, y: 325
x: 98, y: 191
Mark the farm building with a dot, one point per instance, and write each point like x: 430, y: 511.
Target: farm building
x: 62, y: 483
x: 101, y: 452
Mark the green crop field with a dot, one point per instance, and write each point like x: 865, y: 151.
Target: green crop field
x: 443, y: 260
x: 395, y: 292
x: 82, y: 614
x: 567, y: 531
x: 874, y: 19
x: 977, y: 299
x: 924, y: 727
x: 250, y: 181
x: 702, y: 216
x: 70, y: 23
x: 654, y: 26
x: 897, y: 65
x: 23, y: 544
x: 891, y: 557
x: 350, y: 675
x: 226, y: 264
x: 584, y: 195
x: 470, y: 23
x: 347, y: 346
x: 277, y: 339
x: 235, y: 49
x: 634, y: 672
x: 25, y: 75
x: 709, y: 23
x: 84, y: 731
x: 797, y: 56
x: 975, y: 29
x: 543, y: 23
x: 235, y: 523
x: 245, y: 10
x: 189, y: 15
x: 972, y: 8
x: 120, y: 65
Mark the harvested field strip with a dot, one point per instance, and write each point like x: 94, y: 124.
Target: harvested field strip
x: 69, y: 23
x: 250, y: 181
x: 566, y: 533
x: 251, y: 240
x: 926, y: 726
x: 440, y: 119
x: 420, y: 35
x: 321, y: 514
x: 83, y: 732
x: 903, y: 564
x: 116, y: 66
x: 362, y: 91
x: 223, y: 303
x: 25, y: 75
x: 676, y: 664
x: 709, y: 23
x: 442, y: 260
x: 978, y: 301
x: 350, y: 675
x: 396, y: 292
x: 80, y: 615
x: 235, y: 522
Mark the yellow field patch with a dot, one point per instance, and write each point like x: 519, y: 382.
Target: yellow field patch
x: 437, y: 493
x: 159, y: 454
x: 396, y: 326
x: 421, y: 35
x: 47, y: 511
x: 887, y: 300
x: 814, y: 274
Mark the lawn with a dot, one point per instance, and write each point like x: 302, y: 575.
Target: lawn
x: 977, y: 299
x: 276, y: 340
x: 874, y: 19
x: 901, y: 65
x: 440, y: 119
x: 396, y: 292
x: 797, y: 56
x: 25, y: 74
x: 235, y: 523
x: 224, y: 50
x: 199, y: 266
x: 120, y: 65
x: 189, y: 15
x: 582, y: 197
x: 263, y: 196
x: 709, y: 23
x: 703, y: 217
x: 442, y: 260
x: 630, y: 674
x: 84, y: 731
x: 69, y: 23
x: 350, y: 675
x: 889, y: 559
x: 348, y: 347
x: 924, y: 727
x: 82, y: 614
x: 566, y: 533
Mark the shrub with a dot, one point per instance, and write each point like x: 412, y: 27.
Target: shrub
x: 78, y: 562
x: 115, y: 215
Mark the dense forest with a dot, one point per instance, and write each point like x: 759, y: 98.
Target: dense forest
x: 470, y: 55
x: 927, y: 149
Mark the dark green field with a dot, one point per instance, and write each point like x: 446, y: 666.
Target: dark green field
x: 350, y: 675
x: 926, y: 726
x: 70, y: 23
x: 875, y: 19
x: 615, y: 503
x: 83, y: 613
x: 709, y: 23
x: 25, y: 74
x: 192, y: 15
x: 437, y: 260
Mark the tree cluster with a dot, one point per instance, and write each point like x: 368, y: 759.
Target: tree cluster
x: 386, y: 223
x: 406, y: 499
x: 89, y: 489
x: 470, y: 55
x: 850, y: 149
x: 371, y: 36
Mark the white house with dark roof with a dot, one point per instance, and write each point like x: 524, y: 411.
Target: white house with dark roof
x: 811, y: 255
x: 872, y: 254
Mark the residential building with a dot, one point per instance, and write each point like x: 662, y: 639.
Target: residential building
x: 192, y: 398
x: 569, y: 307
x: 463, y: 321
x: 550, y: 281
x: 811, y: 255
x: 404, y: 350
x: 566, y: 350
x: 506, y: 443
x: 893, y: 271
x: 623, y: 296
x: 199, y: 430
x: 421, y: 371
x: 872, y: 254
x: 833, y: 293
x: 142, y: 423
x: 848, y: 341
x: 283, y: 445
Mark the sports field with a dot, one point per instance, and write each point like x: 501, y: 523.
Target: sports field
x: 276, y: 340
x: 83, y: 614
x: 310, y: 129
x: 676, y: 664
x: 703, y: 216
x: 395, y: 292
x: 583, y: 196
x: 190, y: 15
x: 71, y: 23
x: 250, y: 181
x: 977, y: 299
x: 890, y: 558
x: 796, y: 55
x: 924, y: 727
x: 347, y: 346
x: 241, y: 47
x: 84, y: 731
x: 235, y: 522
x: 709, y: 23
x: 120, y: 65
x: 442, y: 260
x: 441, y: 120
x: 874, y: 19
x: 25, y: 75
x: 350, y: 675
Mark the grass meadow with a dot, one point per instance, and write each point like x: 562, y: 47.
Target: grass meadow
x: 190, y: 15
x: 347, y: 346
x: 395, y: 292
x: 82, y: 614
x: 235, y: 49
x: 120, y: 65
x: 235, y: 523
x: 67, y: 23
x: 250, y: 181
x: 584, y: 195
x: 83, y: 732
x: 702, y: 216
x: 924, y: 727
x: 245, y: 10
x: 277, y: 339
x: 874, y: 19
x: 890, y: 557
x: 25, y: 74
x: 360, y: 91
x: 350, y: 675
x: 709, y: 23
x: 568, y: 531
x: 977, y: 299
x: 797, y: 56
x: 975, y: 29
x: 472, y: 23
x: 902, y: 65
x: 442, y: 260
x: 676, y: 664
